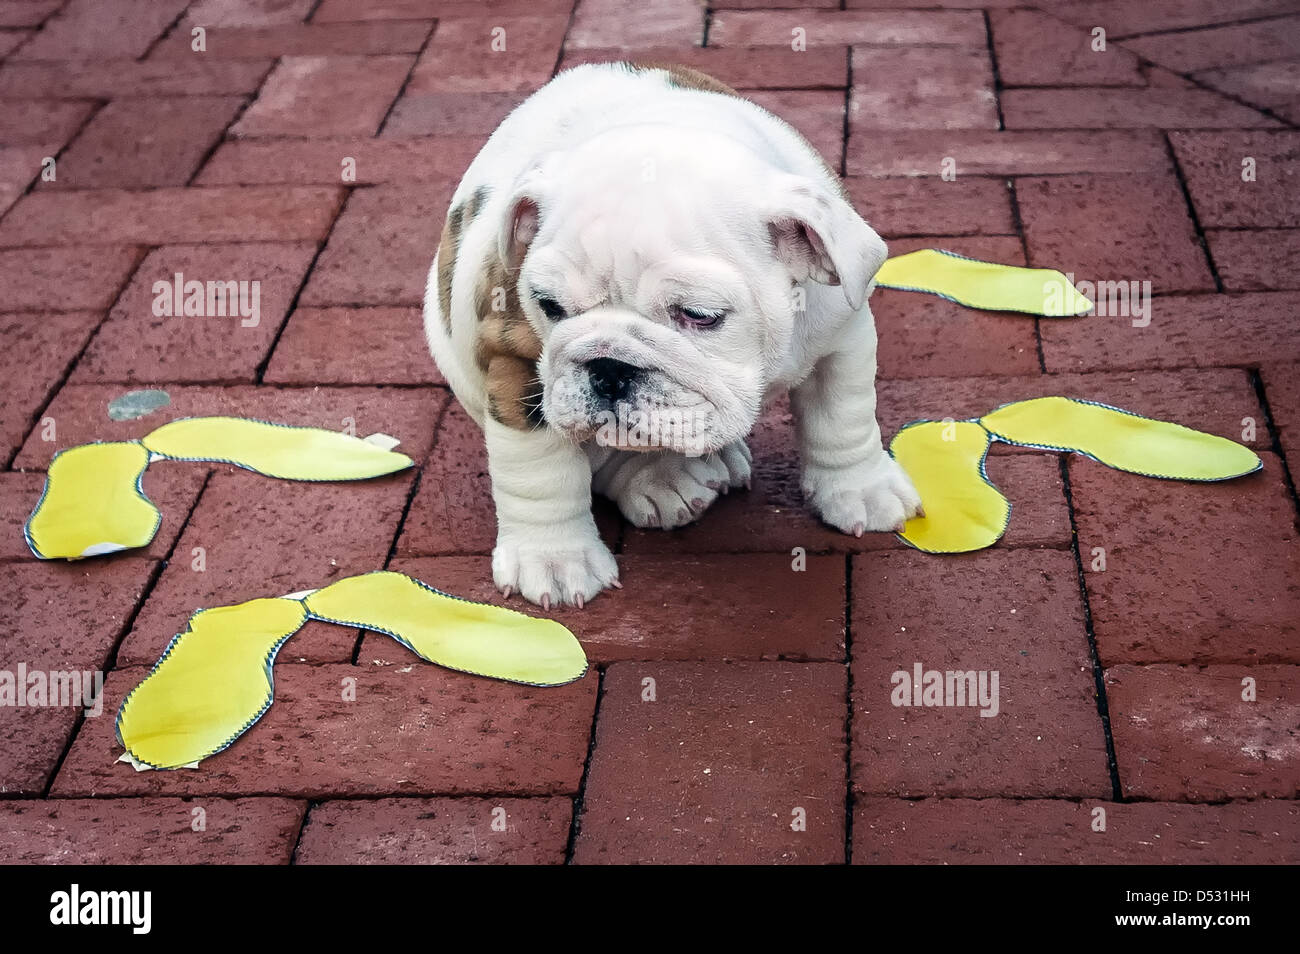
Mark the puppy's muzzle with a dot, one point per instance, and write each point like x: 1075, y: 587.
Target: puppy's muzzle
x: 611, y: 379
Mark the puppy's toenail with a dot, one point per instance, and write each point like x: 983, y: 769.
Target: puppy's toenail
x: 578, y: 599
x: 546, y: 601
x: 858, y: 529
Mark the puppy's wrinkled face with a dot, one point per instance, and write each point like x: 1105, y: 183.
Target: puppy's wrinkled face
x: 653, y: 272
x: 643, y: 283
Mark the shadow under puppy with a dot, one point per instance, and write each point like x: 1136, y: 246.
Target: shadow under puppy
x: 634, y: 262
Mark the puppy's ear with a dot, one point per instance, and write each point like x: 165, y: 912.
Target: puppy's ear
x: 523, y: 216
x: 820, y: 237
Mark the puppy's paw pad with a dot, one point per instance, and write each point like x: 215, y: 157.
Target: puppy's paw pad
x: 555, y: 572
x: 855, y: 501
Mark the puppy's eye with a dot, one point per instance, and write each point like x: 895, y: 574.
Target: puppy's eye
x: 551, y: 308
x: 697, y: 317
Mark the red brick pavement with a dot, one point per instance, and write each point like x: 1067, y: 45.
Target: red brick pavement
x: 1146, y: 635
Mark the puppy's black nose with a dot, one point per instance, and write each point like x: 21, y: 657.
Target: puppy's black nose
x: 611, y: 379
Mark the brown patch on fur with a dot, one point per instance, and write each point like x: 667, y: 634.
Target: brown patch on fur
x: 458, y: 220
x: 507, y: 349
x: 448, y: 248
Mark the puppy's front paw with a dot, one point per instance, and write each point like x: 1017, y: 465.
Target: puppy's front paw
x: 877, y: 496
x: 553, y: 566
x: 668, y: 490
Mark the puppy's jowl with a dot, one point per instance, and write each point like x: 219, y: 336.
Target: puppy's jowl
x: 636, y: 260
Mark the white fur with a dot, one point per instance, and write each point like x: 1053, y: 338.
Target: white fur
x: 625, y: 197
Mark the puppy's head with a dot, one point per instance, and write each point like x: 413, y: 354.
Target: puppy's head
x: 664, y: 279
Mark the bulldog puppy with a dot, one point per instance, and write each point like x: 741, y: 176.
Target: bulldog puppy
x: 635, y: 261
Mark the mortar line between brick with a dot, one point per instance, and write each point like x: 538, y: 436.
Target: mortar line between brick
x: 1191, y: 211
x: 221, y: 140
x: 1098, y: 674
x: 997, y: 74
x: 1275, y: 446
x: 302, y: 827
x: 845, y: 127
x: 406, y: 81
x: 1205, y: 26
x: 31, y: 186
x: 311, y: 14
x: 849, y: 799
x: 75, y: 360
x: 708, y: 24
x: 259, y: 374
x: 564, y: 39
x: 580, y: 798
x: 164, y: 35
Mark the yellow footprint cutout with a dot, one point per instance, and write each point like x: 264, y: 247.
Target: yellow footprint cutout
x: 214, y: 681
x: 963, y: 509
x: 93, y: 502
x: 1120, y: 439
x: 984, y: 285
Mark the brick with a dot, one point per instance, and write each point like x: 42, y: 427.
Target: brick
x: 144, y: 831
x: 63, y: 279
x: 422, y: 831
x: 1047, y: 831
x: 247, y: 13
x: 19, y: 167
x: 449, y: 114
x: 1268, y: 86
x: 1255, y: 260
x: 466, y: 55
x: 352, y: 346
x: 440, y: 159
x: 763, y: 67
x: 1121, y: 18
x: 981, y: 152
x: 380, y: 249
x: 260, y: 537
x: 1036, y: 49
x: 167, y: 216
x: 605, y: 23
x: 313, y: 39
x: 816, y: 113
x: 733, y: 606
x: 422, y: 731
x: 1121, y: 108
x: 1186, y: 734
x: 1165, y: 596
x: 1196, y: 330
x: 1233, y: 45
x: 665, y: 775
x: 38, y: 350
x: 1070, y: 225
x: 106, y: 79
x: 774, y: 517
x: 325, y: 96
x: 18, y: 496
x: 836, y: 27
x: 27, y: 13
x: 90, y: 29
x: 41, y: 122
x: 80, y: 413
x: 137, y: 143
x: 58, y: 617
x: 927, y: 336
x: 922, y: 88
x: 1282, y: 385
x: 10, y: 40
x: 932, y: 206
x: 1213, y: 400
x: 1213, y: 164
x: 137, y: 345
x: 331, y: 11
x: 1014, y: 612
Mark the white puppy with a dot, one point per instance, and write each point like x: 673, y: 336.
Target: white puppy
x: 637, y: 259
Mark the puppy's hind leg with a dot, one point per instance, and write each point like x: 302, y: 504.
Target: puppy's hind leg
x: 666, y: 489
